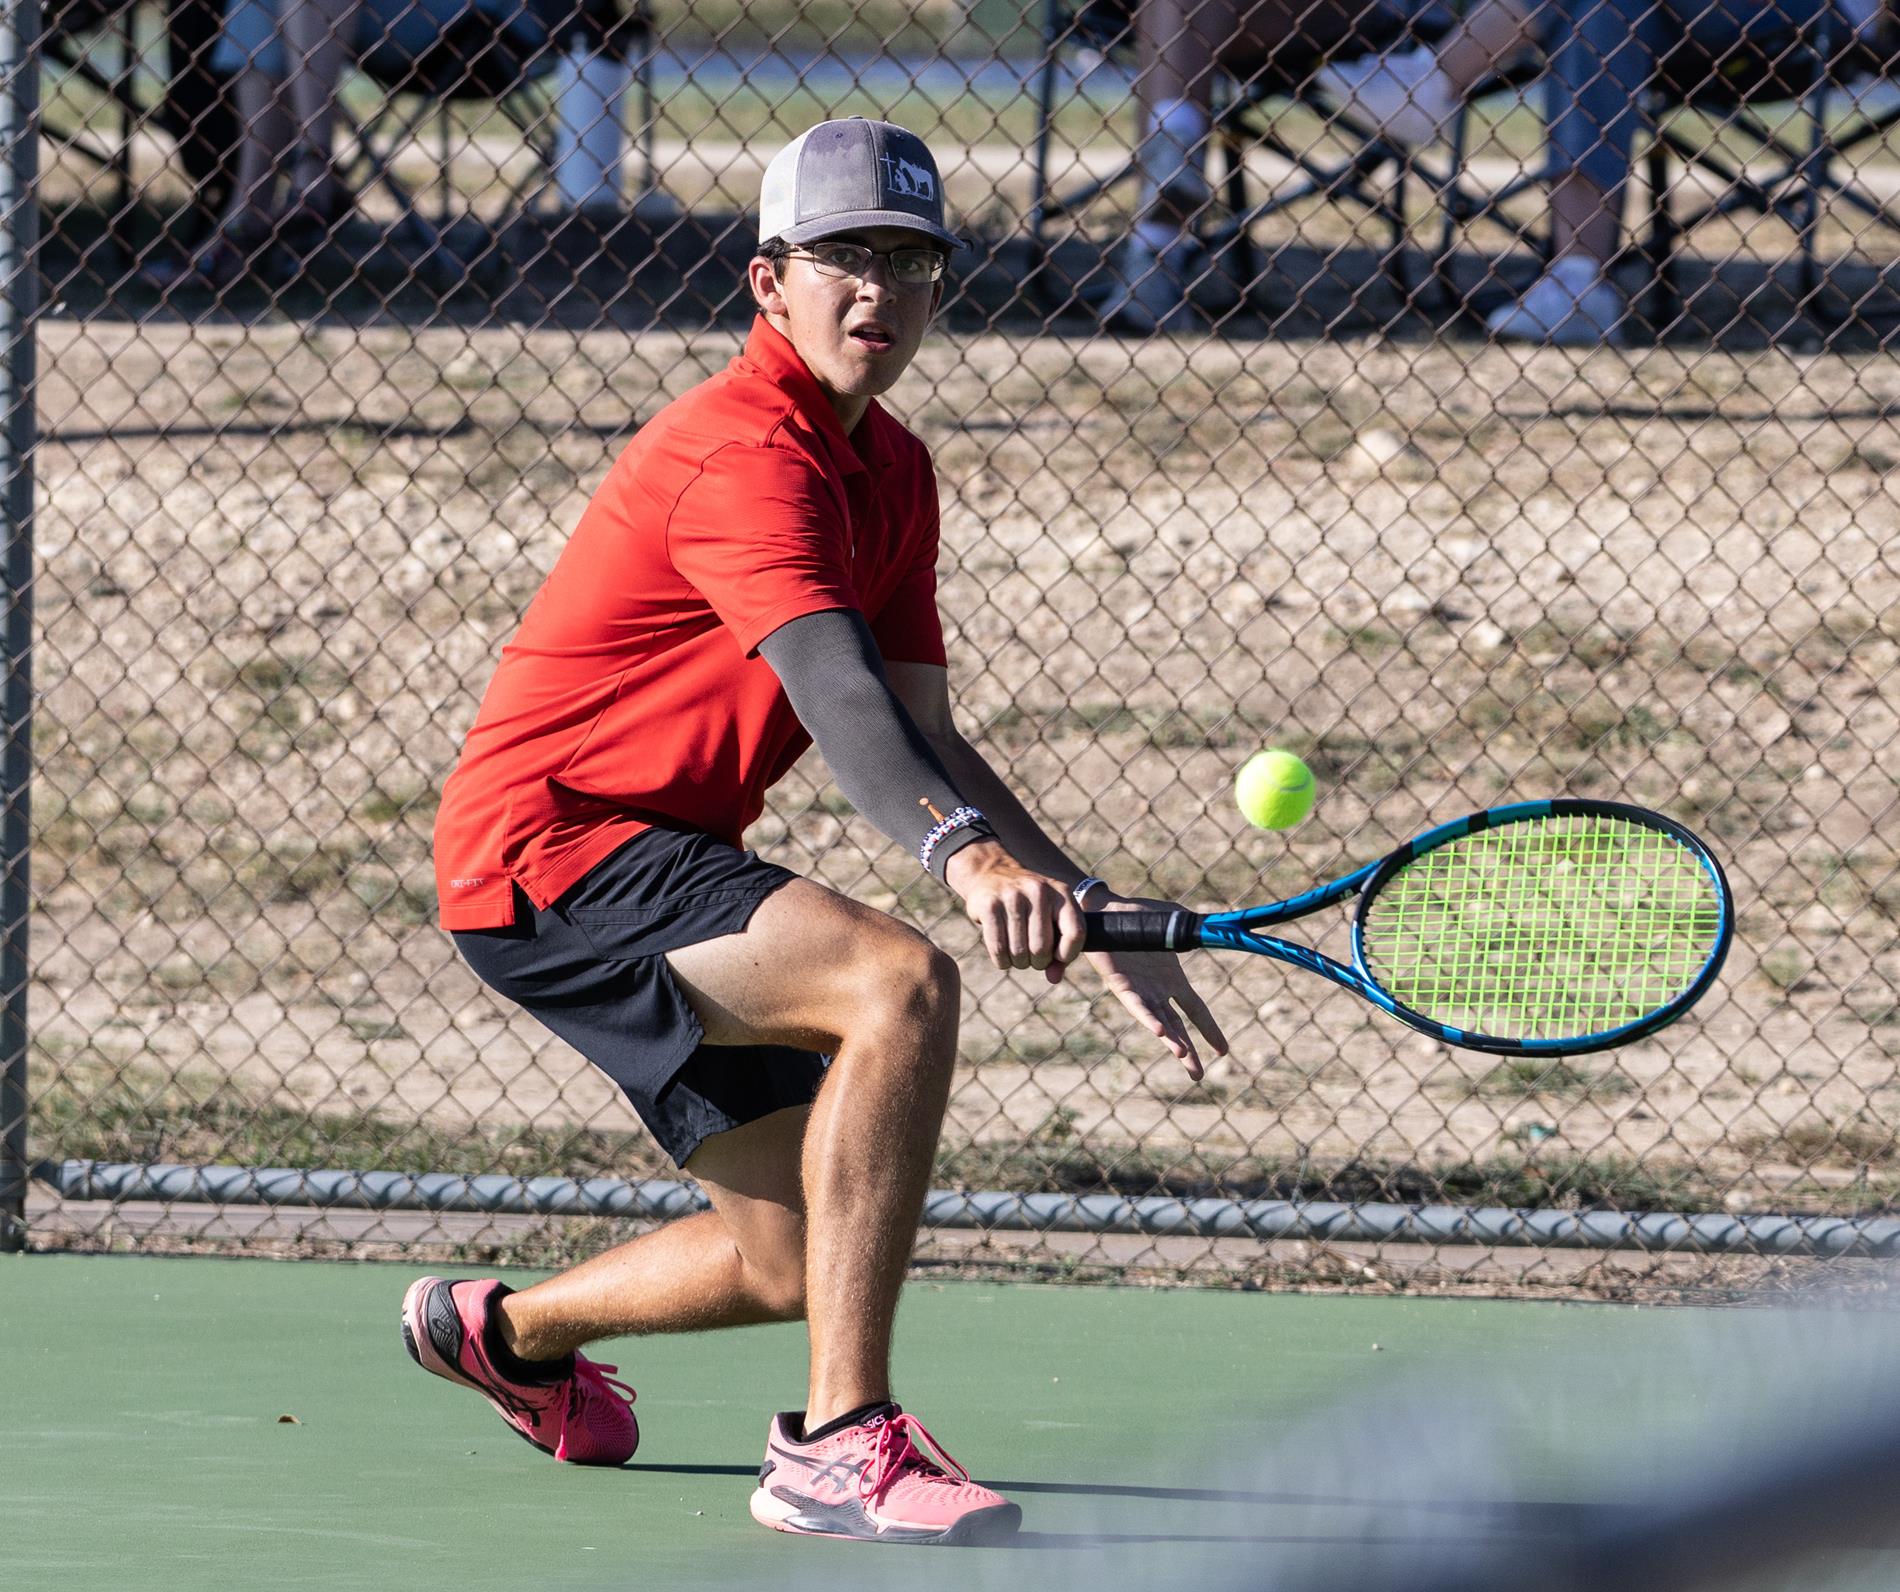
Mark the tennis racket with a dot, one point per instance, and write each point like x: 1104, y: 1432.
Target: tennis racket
x: 1539, y: 929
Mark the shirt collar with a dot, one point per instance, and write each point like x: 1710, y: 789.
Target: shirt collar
x: 866, y: 449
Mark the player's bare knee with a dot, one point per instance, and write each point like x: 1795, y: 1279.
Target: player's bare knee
x: 913, y: 985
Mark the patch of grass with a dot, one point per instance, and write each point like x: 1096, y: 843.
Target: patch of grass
x: 384, y: 896
x: 310, y: 873
x: 1368, y: 640
x: 382, y: 806
x: 1325, y: 437
x: 1596, y: 647
x: 86, y: 1106
x: 184, y: 974
x: 1532, y: 1075
x: 1169, y: 729
x: 90, y: 1108
x: 1785, y: 967
x: 1262, y: 1092
x: 1083, y: 1045
x: 1815, y: 1141
x: 1537, y: 1181
x: 278, y: 701
x: 372, y: 1029
x: 1058, y: 1127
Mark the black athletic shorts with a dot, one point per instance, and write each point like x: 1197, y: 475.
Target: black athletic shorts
x: 592, y: 968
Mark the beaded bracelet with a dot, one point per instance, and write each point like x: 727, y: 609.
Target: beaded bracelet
x: 962, y: 818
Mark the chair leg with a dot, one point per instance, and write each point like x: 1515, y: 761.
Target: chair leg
x: 1039, y: 163
x: 643, y: 86
x: 1449, y: 217
x: 445, y: 153
x: 1660, y: 253
x: 1398, y: 265
x: 122, y: 196
x: 1814, y: 176
x: 1234, y: 187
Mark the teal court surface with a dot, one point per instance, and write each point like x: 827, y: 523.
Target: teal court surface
x: 1154, y: 1438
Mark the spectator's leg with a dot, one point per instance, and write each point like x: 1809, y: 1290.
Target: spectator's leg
x: 263, y: 137
x: 318, y: 35
x: 1492, y: 35
x: 1603, y: 55
x: 1179, y: 44
x: 1183, y: 43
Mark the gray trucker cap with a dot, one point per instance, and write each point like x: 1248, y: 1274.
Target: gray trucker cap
x: 852, y: 173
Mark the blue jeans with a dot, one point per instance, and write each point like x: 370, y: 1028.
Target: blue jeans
x: 1602, y: 55
x: 394, y: 32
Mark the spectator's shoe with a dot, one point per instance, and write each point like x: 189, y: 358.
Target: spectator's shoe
x: 1403, y: 97
x: 1151, y: 285
x: 308, y: 226
x: 1874, y: 96
x: 870, y: 1481
x: 224, y: 260
x: 581, y: 1414
x: 1572, y: 305
x: 1174, y: 173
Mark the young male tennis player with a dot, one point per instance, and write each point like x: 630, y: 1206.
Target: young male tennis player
x: 757, y: 571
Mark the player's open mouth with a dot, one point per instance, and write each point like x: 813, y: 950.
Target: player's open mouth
x: 874, y: 338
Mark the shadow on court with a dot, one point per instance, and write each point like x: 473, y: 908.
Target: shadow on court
x: 1562, y: 1515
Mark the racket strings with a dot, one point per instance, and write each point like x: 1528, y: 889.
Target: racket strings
x: 1542, y: 930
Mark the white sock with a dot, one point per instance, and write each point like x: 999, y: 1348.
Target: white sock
x: 1173, y: 142
x: 1182, y: 121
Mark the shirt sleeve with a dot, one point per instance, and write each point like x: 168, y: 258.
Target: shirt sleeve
x: 909, y: 627
x: 761, y: 535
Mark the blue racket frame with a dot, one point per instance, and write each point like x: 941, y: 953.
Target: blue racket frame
x: 1239, y: 931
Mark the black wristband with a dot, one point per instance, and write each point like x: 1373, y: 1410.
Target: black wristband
x: 954, y: 842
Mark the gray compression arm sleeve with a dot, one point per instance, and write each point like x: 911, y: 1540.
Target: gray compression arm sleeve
x: 831, y: 670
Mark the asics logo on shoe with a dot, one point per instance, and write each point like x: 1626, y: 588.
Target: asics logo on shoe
x: 841, y: 1475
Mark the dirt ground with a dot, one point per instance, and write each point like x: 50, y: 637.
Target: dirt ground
x: 278, y: 555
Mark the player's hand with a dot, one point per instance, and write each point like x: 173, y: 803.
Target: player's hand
x: 1026, y: 918
x: 1154, y: 987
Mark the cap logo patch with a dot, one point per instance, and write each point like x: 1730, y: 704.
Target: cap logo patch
x: 909, y: 180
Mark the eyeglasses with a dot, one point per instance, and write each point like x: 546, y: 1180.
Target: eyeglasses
x: 910, y: 267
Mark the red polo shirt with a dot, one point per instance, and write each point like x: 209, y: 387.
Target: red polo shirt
x: 633, y: 692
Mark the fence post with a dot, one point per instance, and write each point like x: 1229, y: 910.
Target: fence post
x: 19, y: 305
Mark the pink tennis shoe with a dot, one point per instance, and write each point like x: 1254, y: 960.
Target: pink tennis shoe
x: 583, y: 1417
x: 873, y: 1482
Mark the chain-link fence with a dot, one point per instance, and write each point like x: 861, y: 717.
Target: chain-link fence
x: 1229, y: 456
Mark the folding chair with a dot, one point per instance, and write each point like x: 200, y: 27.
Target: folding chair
x: 1806, y: 68
x: 1245, y: 115
x: 448, y: 54
x: 190, y: 107
x: 1811, y: 71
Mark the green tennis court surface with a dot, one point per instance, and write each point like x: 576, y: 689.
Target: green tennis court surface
x: 140, y: 1440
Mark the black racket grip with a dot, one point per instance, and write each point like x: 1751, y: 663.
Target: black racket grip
x: 1142, y: 931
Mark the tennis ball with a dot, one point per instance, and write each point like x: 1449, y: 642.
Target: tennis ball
x: 1274, y: 790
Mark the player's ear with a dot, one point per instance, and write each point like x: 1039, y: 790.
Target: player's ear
x: 767, y: 291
